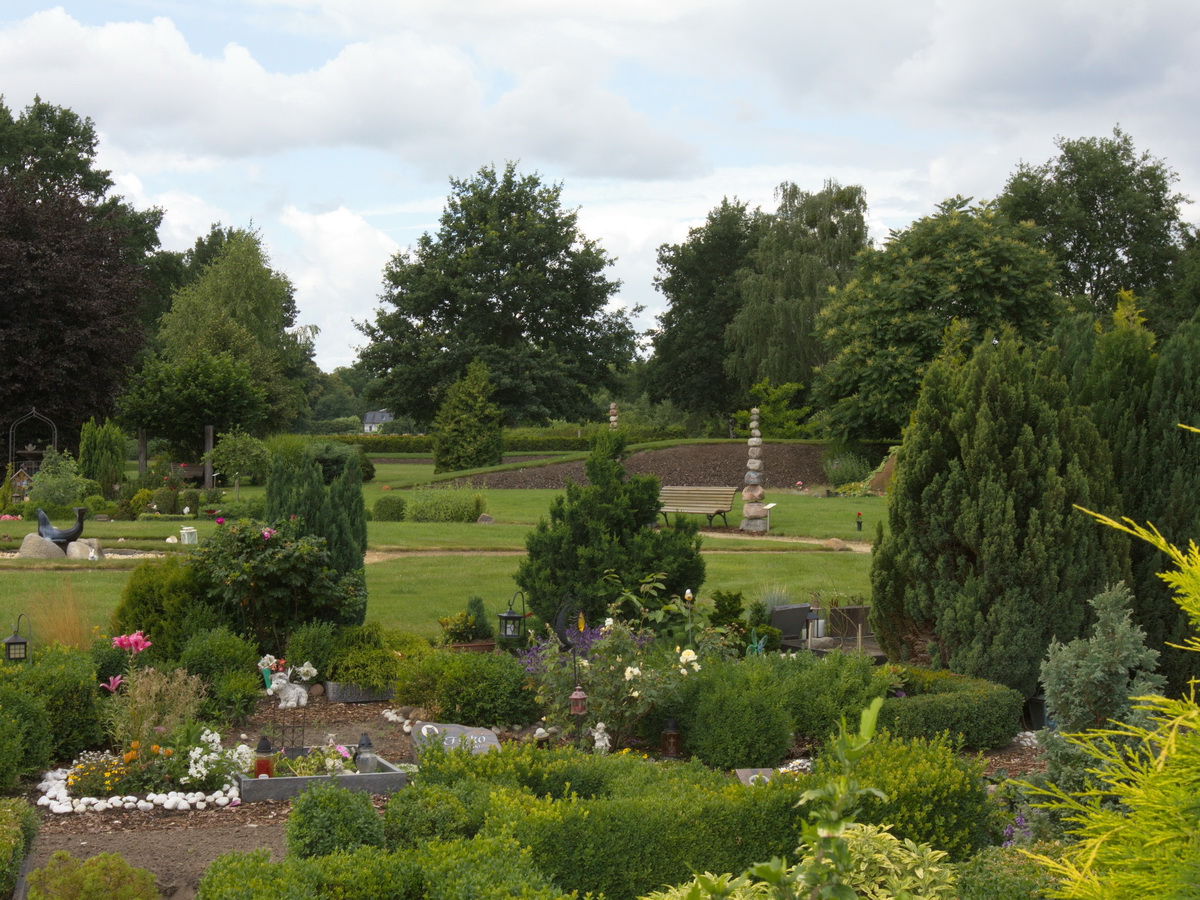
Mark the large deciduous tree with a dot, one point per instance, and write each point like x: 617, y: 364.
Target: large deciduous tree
x: 809, y: 248
x: 1109, y: 215
x: 965, y: 264
x: 240, y: 306
x: 510, y: 280
x: 987, y: 559
x: 175, y: 400
x: 699, y: 279
x: 68, y: 291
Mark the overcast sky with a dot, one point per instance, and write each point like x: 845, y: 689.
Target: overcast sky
x: 333, y: 126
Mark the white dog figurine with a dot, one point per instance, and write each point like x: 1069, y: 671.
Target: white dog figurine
x: 290, y: 695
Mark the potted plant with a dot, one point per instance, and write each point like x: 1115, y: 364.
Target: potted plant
x: 470, y: 630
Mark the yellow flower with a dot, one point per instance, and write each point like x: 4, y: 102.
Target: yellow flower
x: 134, y: 745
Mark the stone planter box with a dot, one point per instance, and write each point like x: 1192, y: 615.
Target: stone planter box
x: 384, y: 781
x: 344, y: 692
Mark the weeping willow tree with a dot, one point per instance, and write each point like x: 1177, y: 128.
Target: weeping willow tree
x: 808, y: 248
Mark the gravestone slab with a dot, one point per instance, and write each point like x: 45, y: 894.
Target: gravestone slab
x: 424, y: 734
x: 753, y: 776
x: 34, y: 546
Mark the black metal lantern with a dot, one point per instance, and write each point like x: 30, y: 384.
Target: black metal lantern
x: 670, y: 740
x: 579, y: 701
x: 16, y: 648
x: 510, y: 620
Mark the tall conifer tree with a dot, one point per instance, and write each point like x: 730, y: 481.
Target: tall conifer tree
x: 987, y: 560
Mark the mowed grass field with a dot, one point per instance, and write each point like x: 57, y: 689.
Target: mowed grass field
x: 418, y: 572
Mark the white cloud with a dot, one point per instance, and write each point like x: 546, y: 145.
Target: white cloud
x: 337, y: 266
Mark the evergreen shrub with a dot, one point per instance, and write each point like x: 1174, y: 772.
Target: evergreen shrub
x: 835, y: 686
x: 934, y: 795
x: 1007, y: 873
x: 361, y: 657
x: 18, y: 827
x: 215, y: 651
x: 984, y: 715
x: 165, y: 501
x: 314, y: 643
x: 64, y: 679
x: 104, y: 877
x: 28, y: 722
x: 466, y: 433
x: 12, y: 750
x: 424, y: 812
x: 477, y: 689
x: 326, y: 818
x: 389, y: 508
x: 607, y: 524
x: 245, y: 876
x: 155, y: 600
x: 740, y: 718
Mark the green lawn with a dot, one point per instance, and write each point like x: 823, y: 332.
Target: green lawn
x: 412, y: 592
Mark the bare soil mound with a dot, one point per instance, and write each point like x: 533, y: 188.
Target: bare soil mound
x: 699, y: 465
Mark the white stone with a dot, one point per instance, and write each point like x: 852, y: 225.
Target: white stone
x: 159, y: 799
x: 130, y: 804
x: 170, y: 803
x: 754, y: 465
x: 754, y: 442
x: 43, y: 801
x: 754, y: 452
x: 755, y: 433
x: 102, y: 806
x: 60, y: 808
x: 222, y: 801
x: 200, y: 804
x: 115, y: 800
x: 145, y: 805
x: 88, y: 801
x: 129, y: 798
x: 183, y: 805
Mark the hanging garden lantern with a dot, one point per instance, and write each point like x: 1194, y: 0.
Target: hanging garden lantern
x: 579, y: 701
x: 16, y: 648
x: 510, y: 620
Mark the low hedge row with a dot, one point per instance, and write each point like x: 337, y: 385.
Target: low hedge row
x: 18, y: 825
x: 519, y: 442
x: 984, y: 714
x: 488, y: 869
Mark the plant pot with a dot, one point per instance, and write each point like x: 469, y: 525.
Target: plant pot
x: 474, y: 647
x: 385, y: 781
x: 344, y: 692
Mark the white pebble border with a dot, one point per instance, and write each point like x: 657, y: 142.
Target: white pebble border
x: 57, y: 799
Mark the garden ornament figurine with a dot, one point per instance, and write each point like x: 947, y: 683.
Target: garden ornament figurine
x: 61, y: 536
x: 602, y: 738
x: 290, y: 695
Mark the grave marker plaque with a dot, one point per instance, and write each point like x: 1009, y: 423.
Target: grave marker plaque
x: 480, y: 740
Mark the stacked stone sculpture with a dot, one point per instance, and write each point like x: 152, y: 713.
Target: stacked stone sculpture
x: 754, y: 512
x: 612, y: 415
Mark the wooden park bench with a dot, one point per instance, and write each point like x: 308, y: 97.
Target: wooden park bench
x: 188, y: 471
x: 705, y: 501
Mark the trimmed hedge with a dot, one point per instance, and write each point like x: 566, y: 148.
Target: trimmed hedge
x: 18, y: 825
x: 520, y: 441
x: 480, y: 689
x: 483, y: 869
x: 64, y: 680
x: 984, y: 714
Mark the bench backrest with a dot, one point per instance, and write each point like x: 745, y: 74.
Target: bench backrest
x: 693, y: 496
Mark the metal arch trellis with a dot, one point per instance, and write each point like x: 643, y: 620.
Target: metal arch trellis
x: 32, y: 414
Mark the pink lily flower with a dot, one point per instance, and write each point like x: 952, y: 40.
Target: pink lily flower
x: 112, y: 684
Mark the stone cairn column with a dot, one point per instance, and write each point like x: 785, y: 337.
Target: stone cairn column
x: 754, y: 514
x: 612, y: 415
